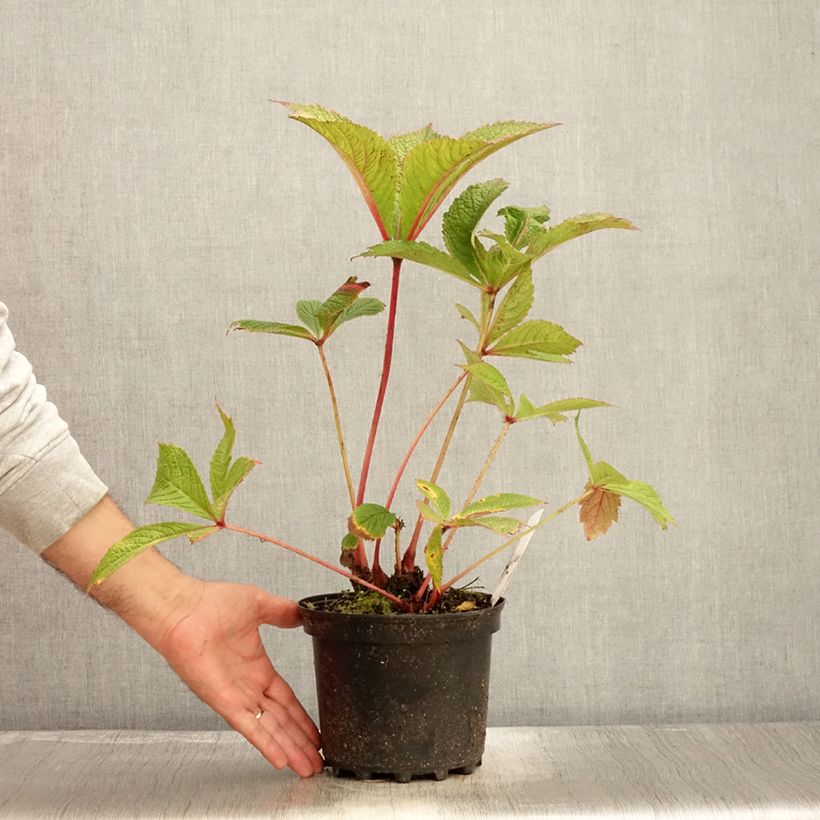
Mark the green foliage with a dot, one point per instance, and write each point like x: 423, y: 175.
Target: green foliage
x: 370, y: 521
x: 437, y: 497
x: 350, y: 542
x: 278, y: 328
x: 554, y: 410
x: 488, y: 385
x: 140, y: 540
x: 424, y: 254
x: 522, y: 225
x: 433, y: 552
x: 551, y: 238
x: 177, y: 484
x: 500, y: 524
x: 501, y: 502
x: 536, y: 339
x: 514, y: 307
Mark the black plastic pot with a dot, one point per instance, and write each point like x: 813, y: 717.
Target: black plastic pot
x: 401, y: 695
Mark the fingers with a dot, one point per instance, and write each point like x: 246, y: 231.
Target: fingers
x: 257, y: 735
x: 276, y: 611
x: 280, y: 692
x: 303, y: 756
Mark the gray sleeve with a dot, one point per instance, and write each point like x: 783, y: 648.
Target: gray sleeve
x: 46, y: 486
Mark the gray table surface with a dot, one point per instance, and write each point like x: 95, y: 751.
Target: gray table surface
x: 731, y: 770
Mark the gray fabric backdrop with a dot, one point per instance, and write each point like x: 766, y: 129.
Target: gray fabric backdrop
x: 150, y: 194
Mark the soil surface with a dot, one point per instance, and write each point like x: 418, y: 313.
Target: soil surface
x: 366, y: 602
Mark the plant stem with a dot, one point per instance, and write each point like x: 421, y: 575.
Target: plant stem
x: 320, y: 561
x: 386, y: 362
x: 481, y: 476
x: 339, y: 433
x: 511, y: 541
x: 422, y: 430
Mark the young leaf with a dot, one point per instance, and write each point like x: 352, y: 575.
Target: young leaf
x: 434, y: 166
x: 514, y: 306
x: 470, y: 356
x: 235, y: 475
x: 258, y: 326
x: 177, y: 483
x: 436, y: 496
x: 522, y: 224
x: 554, y: 410
x: 489, y: 375
x: 598, y: 511
x: 350, y: 542
x: 402, y: 144
x: 424, y: 254
x: 370, y: 521
x: 428, y: 513
x: 141, y: 539
x: 364, y: 306
x: 571, y: 228
x: 307, y: 310
x: 501, y: 502
x: 480, y: 391
x: 433, y: 556
x: 501, y: 262
x: 467, y: 314
x: 221, y: 459
x: 368, y: 156
x: 536, y: 339
x: 339, y: 301
x: 462, y: 218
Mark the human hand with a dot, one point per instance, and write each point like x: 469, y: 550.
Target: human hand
x: 213, y: 644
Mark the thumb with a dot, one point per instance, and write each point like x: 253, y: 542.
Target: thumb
x: 276, y: 611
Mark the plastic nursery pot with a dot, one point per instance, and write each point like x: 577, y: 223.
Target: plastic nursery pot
x: 401, y: 695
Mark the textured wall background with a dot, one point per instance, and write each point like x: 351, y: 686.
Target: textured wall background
x: 150, y: 194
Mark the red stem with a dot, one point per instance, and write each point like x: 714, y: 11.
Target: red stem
x: 316, y: 560
x: 388, y: 358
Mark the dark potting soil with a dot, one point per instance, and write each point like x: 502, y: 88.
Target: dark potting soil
x: 367, y: 602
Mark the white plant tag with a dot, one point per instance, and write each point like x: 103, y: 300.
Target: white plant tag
x: 512, y: 564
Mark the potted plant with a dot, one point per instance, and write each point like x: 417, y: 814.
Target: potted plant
x: 402, y: 657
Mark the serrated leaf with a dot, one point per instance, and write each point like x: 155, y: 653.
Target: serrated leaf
x: 428, y: 513
x: 350, y: 542
x: 433, y: 553
x: 598, y: 511
x: 177, y: 483
x: 221, y: 459
x: 307, y: 310
x: 522, y: 224
x: 479, y: 391
x: 470, y: 356
x: 502, y: 524
x: 278, y: 328
x: 554, y: 410
x: 571, y: 229
x: 364, y: 306
x: 339, y: 301
x: 236, y: 474
x: 368, y: 156
x: 370, y: 521
x: 424, y: 254
x: 433, y: 167
x: 403, y: 143
x: 500, y: 502
x: 467, y: 314
x: 501, y: 262
x: 490, y: 375
x: 435, y: 495
x: 608, y: 477
x: 514, y: 307
x: 462, y: 218
x: 536, y: 339
x: 141, y: 539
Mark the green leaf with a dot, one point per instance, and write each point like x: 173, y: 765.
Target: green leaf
x: 428, y: 513
x: 571, y: 229
x: 584, y: 448
x: 514, y: 306
x: 424, y: 254
x: 489, y: 375
x: 462, y: 218
x: 470, y: 356
x: 177, y: 483
x: 502, y: 524
x: 402, y: 144
x: 433, y: 553
x: 436, y: 496
x: 141, y: 539
x: 482, y: 392
x: 554, y: 410
x: 370, y: 521
x: 368, y: 156
x: 433, y: 167
x: 350, y: 542
x: 536, y: 339
x: 501, y: 262
x: 236, y: 474
x: 467, y: 314
x: 257, y: 326
x: 521, y: 225
x: 501, y: 502
x: 364, y: 306
x: 609, y: 478
x: 221, y: 459
x: 307, y: 310
x: 338, y: 302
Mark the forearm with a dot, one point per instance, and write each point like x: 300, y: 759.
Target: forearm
x: 148, y: 592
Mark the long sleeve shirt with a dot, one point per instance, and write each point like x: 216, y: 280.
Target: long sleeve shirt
x: 46, y: 485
